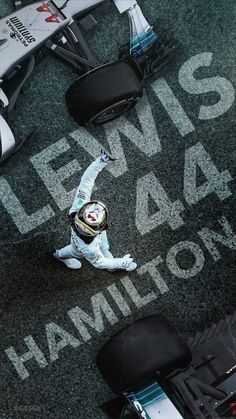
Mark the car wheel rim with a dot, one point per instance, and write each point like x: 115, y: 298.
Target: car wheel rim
x: 112, y: 112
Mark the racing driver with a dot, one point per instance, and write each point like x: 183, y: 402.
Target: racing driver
x: 89, y: 219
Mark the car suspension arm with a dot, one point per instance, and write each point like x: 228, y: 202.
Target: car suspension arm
x: 81, y: 44
x: 68, y: 56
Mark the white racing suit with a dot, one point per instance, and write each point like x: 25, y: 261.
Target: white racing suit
x: 97, y: 252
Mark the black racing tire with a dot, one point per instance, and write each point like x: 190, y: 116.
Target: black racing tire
x: 141, y: 349
x: 103, y: 94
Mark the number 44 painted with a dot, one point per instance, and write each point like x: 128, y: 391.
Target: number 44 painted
x: 169, y: 212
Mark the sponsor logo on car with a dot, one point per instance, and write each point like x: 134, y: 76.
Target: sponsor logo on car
x: 19, y: 31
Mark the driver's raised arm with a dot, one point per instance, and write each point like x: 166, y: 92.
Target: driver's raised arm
x: 84, y: 191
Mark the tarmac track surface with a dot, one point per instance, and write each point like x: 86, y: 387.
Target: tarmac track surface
x: 190, y: 278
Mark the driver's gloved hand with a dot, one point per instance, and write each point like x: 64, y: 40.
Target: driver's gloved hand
x: 105, y: 157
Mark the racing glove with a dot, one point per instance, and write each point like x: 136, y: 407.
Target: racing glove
x: 105, y: 157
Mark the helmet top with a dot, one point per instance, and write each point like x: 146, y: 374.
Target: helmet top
x: 92, y: 218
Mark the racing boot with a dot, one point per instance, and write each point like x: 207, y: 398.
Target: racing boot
x: 71, y: 263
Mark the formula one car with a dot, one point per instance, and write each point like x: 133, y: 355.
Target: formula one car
x: 102, y: 92
x: 158, y: 375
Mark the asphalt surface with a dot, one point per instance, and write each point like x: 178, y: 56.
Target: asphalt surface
x: 37, y: 290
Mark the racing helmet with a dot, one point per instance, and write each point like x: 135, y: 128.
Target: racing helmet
x: 91, y: 219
